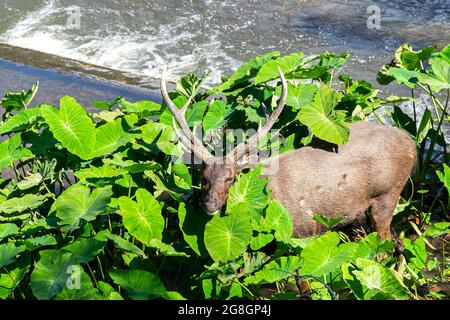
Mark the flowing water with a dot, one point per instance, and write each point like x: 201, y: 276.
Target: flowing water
x: 141, y: 36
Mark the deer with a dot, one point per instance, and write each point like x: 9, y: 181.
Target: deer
x: 361, y: 178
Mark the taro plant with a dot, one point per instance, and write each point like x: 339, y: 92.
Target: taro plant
x: 101, y: 205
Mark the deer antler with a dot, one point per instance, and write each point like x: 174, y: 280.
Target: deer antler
x: 238, y: 152
x: 186, y: 136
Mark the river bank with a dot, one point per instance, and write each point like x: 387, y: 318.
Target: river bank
x: 20, y: 68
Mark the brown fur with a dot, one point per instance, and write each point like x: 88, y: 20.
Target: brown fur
x: 365, y: 175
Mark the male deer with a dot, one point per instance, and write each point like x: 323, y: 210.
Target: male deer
x: 365, y: 175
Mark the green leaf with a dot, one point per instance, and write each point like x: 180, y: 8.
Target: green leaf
x: 141, y: 108
x: 261, y: 240
x: 71, y: 126
x: 26, y: 203
x: 192, y: 224
x: 19, y: 100
x: 227, y: 237
x: 279, y: 219
x: 81, y: 288
x: 416, y: 253
x: 425, y: 125
x: 372, y: 246
x: 21, y: 121
x: 404, y: 76
x: 31, y: 181
x: 246, y: 71
x: 8, y: 253
x: 11, y: 150
x: 287, y: 64
x: 276, y: 270
x: 99, y: 176
x: 323, y: 255
x: 111, y: 136
x: 444, y: 53
x: 437, y: 229
x: 249, y: 192
x: 120, y: 242
x: 139, y: 284
x: 381, y: 282
x: 159, y: 136
x: 108, y: 116
x: 300, y: 95
x: 38, y: 242
x: 142, y: 218
x: 321, y: 118
x: 329, y: 223
x: 216, y: 116
x: 7, y: 229
x: 84, y: 249
x: 166, y: 249
x: 76, y: 203
x: 51, y: 274
x: 439, y: 78
x: 11, y: 276
x: 445, y: 177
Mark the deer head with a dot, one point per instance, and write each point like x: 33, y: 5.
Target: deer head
x: 219, y: 172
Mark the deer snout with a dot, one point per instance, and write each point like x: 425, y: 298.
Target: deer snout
x: 212, y: 206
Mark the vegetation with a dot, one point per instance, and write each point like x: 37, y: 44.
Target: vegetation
x: 93, y: 206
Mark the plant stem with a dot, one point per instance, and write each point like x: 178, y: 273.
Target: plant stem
x: 245, y: 288
x: 16, y: 285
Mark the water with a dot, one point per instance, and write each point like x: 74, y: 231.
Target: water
x: 140, y: 37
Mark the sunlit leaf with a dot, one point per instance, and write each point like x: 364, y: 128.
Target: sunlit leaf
x: 142, y: 217
x: 71, y: 126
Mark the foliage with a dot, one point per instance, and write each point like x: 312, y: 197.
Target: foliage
x: 100, y: 206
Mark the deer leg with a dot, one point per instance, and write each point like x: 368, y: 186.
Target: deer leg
x: 382, y: 210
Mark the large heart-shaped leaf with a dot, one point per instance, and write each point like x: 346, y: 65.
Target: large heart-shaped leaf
x: 142, y: 217
x: 139, y: 284
x: 322, y: 119
x: 11, y: 150
x: 379, y: 281
x: 299, y: 95
x: 216, y: 116
x: 279, y: 219
x: 111, y: 136
x: 76, y: 203
x: 439, y: 78
x: 249, y: 192
x: 227, y: 237
x: 323, y: 255
x: 51, y: 274
x: 71, y: 126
